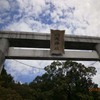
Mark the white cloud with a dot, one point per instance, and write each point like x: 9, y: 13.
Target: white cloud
x: 80, y: 17
x: 97, y: 76
x: 91, y: 13
x: 95, y: 64
x: 83, y: 21
x: 4, y: 5
x: 25, y: 68
x: 19, y: 26
x: 17, y: 69
x: 32, y: 6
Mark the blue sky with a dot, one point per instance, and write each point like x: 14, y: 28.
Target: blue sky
x: 77, y: 17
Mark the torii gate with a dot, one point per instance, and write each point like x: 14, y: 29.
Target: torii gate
x: 76, y: 47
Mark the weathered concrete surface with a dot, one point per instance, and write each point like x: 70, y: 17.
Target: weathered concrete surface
x: 45, y: 55
x: 4, y: 46
x: 42, y: 40
x: 98, y: 49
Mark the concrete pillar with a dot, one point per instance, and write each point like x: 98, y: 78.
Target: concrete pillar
x: 98, y: 49
x: 4, y: 46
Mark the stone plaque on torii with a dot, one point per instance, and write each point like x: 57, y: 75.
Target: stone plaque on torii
x: 85, y: 48
x: 57, y: 42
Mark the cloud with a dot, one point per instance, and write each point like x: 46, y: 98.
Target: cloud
x: 91, y: 14
x: 21, y: 25
x: 96, y: 77
x: 4, y: 5
x: 24, y: 73
x: 80, y: 18
x: 77, y: 17
x: 4, y: 8
x: 32, y: 7
x: 95, y: 64
x: 45, y: 14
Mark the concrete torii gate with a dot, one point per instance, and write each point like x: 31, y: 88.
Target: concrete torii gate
x: 76, y: 47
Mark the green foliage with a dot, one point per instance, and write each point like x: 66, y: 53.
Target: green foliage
x: 6, y: 93
x: 62, y: 81
x: 6, y: 80
x: 67, y: 80
x: 9, y: 94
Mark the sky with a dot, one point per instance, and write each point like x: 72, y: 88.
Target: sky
x: 76, y: 17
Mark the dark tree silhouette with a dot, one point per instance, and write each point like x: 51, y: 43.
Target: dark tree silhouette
x: 62, y: 81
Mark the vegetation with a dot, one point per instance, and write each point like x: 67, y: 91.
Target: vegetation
x: 62, y: 81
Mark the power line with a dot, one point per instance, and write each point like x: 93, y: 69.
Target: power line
x: 92, y: 63
x: 28, y: 65
x: 43, y: 68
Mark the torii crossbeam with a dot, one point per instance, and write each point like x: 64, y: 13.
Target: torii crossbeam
x: 76, y: 47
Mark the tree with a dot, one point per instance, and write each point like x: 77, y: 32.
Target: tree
x: 9, y: 94
x: 9, y: 90
x: 67, y: 81
x: 62, y: 81
x: 6, y: 80
x: 6, y: 92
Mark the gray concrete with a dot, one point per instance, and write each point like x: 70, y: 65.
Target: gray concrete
x: 4, y: 46
x: 42, y: 40
x: 8, y: 40
x: 45, y: 55
x: 98, y: 49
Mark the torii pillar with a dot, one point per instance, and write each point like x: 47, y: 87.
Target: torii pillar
x: 4, y: 46
x: 98, y: 49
